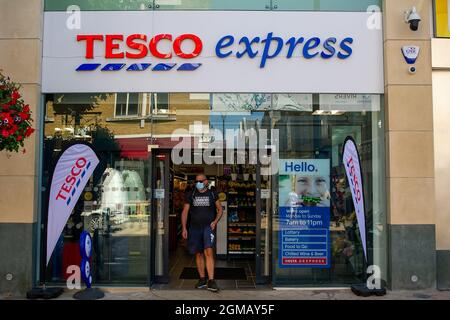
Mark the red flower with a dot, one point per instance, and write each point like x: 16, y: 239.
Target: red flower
x: 24, y: 116
x: 6, y: 119
x: 29, y: 131
x: 13, y: 129
x: 14, y: 116
x: 15, y: 96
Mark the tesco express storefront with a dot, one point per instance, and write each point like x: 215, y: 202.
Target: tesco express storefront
x: 136, y: 83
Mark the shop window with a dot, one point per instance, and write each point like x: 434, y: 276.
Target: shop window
x: 213, y: 5
x: 303, y: 128
x: 48, y: 111
x: 126, y: 105
x: 160, y: 102
x: 255, y: 5
x: 325, y: 5
x: 110, y: 5
x: 115, y: 204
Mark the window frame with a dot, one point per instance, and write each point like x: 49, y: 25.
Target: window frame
x: 139, y: 106
x: 154, y: 104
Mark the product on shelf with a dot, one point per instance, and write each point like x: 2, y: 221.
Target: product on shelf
x: 241, y: 217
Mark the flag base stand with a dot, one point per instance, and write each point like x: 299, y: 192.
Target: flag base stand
x: 89, y: 294
x: 45, y: 293
x: 363, y: 291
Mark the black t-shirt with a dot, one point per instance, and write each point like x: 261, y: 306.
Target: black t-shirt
x: 202, y: 209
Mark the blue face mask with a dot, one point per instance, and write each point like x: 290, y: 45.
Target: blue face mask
x: 200, y: 185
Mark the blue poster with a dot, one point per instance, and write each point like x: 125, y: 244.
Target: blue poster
x: 304, y: 213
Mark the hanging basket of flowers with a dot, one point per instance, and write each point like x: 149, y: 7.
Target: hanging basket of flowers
x: 15, y: 116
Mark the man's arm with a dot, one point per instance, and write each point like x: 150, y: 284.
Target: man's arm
x: 218, y: 215
x: 184, y: 216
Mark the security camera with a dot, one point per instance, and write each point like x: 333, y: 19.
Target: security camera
x: 413, y: 18
x: 412, y: 70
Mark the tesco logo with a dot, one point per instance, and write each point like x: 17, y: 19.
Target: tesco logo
x: 354, y: 179
x: 73, y: 180
x: 140, y: 46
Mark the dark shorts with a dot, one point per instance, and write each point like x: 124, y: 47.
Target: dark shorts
x: 200, y: 239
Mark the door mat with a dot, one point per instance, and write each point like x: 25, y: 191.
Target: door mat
x: 219, y: 274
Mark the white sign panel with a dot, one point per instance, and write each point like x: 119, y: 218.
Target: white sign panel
x: 242, y: 102
x: 265, y: 193
x: 159, y: 193
x: 212, y: 51
x: 245, y: 102
x: 72, y: 172
x: 293, y: 102
x: 349, y: 102
x: 306, y: 168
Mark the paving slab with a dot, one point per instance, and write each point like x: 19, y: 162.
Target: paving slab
x: 252, y: 294
x: 262, y: 294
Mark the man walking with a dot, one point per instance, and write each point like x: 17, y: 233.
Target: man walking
x: 205, y: 212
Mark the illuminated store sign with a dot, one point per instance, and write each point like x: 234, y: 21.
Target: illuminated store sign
x: 136, y: 47
x: 292, y: 52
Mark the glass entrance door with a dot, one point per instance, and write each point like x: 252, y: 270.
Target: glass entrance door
x: 245, y: 231
x: 265, y: 209
x: 160, y: 209
x: 246, y: 187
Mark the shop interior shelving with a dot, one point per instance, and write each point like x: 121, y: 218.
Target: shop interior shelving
x: 241, y: 228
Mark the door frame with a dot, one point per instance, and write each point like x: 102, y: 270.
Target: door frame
x: 262, y: 279
x: 165, y: 277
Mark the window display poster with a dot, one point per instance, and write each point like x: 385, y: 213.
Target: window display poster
x: 304, y: 213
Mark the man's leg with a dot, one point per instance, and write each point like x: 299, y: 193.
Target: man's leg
x: 196, y: 247
x: 208, y: 241
x: 212, y: 285
x: 200, y: 261
x: 209, y: 254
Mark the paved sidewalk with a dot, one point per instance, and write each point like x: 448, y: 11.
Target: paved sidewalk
x: 266, y: 294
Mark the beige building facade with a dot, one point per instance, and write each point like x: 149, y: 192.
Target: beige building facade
x: 416, y: 175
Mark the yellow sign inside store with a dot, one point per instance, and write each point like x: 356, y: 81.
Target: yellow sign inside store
x: 442, y: 18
